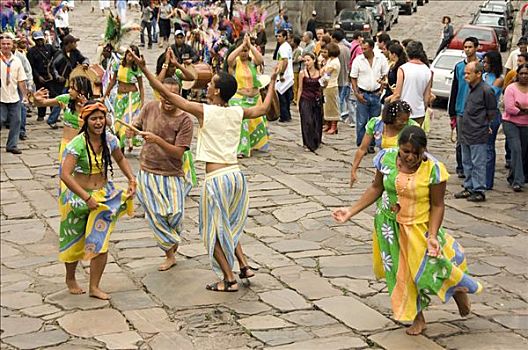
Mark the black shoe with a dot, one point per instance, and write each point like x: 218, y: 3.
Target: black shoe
x: 284, y: 120
x: 463, y: 194
x: 14, y: 150
x: 371, y: 150
x: 461, y: 175
x: 149, y: 47
x: 517, y: 188
x: 40, y: 119
x: 507, y: 165
x: 477, y: 197
x: 23, y: 137
x: 54, y: 126
x: 141, y: 45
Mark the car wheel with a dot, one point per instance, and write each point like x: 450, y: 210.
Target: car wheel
x: 503, y: 47
x: 420, y: 2
x: 415, y: 8
x: 409, y: 10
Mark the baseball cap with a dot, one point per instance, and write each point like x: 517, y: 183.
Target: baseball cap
x: 69, y: 39
x: 38, y: 35
x: 179, y: 32
x: 314, y: 13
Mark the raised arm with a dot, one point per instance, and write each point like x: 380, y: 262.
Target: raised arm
x: 260, y: 110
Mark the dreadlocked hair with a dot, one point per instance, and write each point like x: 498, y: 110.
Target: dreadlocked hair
x: 83, y: 86
x: 106, y: 156
x: 392, y: 110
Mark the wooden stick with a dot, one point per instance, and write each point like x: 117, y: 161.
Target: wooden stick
x: 131, y: 127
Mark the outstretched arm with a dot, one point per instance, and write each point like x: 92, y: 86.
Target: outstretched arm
x: 193, y: 108
x: 260, y: 110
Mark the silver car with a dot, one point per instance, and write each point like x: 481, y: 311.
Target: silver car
x: 443, y: 67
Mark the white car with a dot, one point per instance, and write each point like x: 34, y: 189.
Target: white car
x: 443, y: 67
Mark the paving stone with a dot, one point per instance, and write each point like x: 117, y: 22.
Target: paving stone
x: 124, y: 340
x: 33, y: 229
x: 24, y: 261
x: 52, y: 270
x: 18, y: 173
x: 152, y: 320
x: 485, y: 341
x: 192, y: 250
x: 87, y: 324
x: 398, y: 339
x: 19, y: 325
x: 295, y: 183
x: 136, y: 243
x: 8, y: 250
x: 310, y: 254
x: 185, y: 288
x: 20, y: 300
x: 35, y: 160
x: 16, y: 287
x: 131, y: 300
x: 295, y: 212
x: 263, y: 282
x: 313, y: 318
x: 331, y: 330
x: 37, y: 340
x: 440, y: 330
x: 139, y: 253
x: 513, y: 321
x: 317, y: 235
x: 266, y: 231
x: 333, y: 343
x: 358, y: 287
x: 483, y: 269
x: 21, y: 210
x: 277, y: 337
x: 67, y: 301
x: 170, y: 340
x: 509, y: 263
x: 483, y: 229
x: 40, y: 310
x: 294, y: 245
x: 117, y: 282
x: 347, y: 309
x: 254, y: 323
x: 265, y: 256
x: 284, y: 300
x: 355, y: 266
x: 314, y: 287
x: 476, y: 324
x: 249, y: 307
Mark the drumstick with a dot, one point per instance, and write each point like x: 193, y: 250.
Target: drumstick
x: 125, y: 124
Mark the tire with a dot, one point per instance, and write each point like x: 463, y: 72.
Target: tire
x: 503, y: 47
x: 420, y: 2
x: 415, y: 9
x: 409, y: 11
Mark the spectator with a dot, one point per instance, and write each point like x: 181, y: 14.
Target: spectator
x: 413, y: 83
x: 284, y: 84
x: 311, y: 26
x: 154, y: 20
x: 309, y: 45
x: 261, y: 40
x: 13, y: 78
x: 278, y: 21
x: 146, y: 23
x: 382, y: 44
x: 522, y: 47
x: 330, y: 77
x: 297, y: 63
x: 473, y: 133
x: 287, y: 26
x: 512, y: 74
x: 515, y: 125
x: 368, y: 70
x: 20, y: 52
x: 447, y: 34
x: 459, y: 92
x: 397, y: 57
x: 164, y: 15
x: 62, y: 21
x: 493, y: 77
x: 355, y: 51
x: 343, y: 81
x: 319, y: 34
x: 524, y: 17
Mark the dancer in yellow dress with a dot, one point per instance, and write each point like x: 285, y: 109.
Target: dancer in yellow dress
x: 411, y: 249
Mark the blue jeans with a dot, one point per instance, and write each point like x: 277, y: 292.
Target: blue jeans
x: 474, y: 159
x: 154, y: 24
x: 10, y: 113
x: 23, y: 115
x: 492, y: 155
x: 518, y: 140
x: 344, y: 93
x: 54, y: 115
x: 370, y: 109
x: 285, y: 100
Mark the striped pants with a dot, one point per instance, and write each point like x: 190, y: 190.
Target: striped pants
x: 224, y: 205
x: 163, y: 199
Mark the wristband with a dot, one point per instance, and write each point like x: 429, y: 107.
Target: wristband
x: 87, y: 199
x: 164, y: 66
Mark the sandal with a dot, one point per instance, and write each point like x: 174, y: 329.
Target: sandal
x: 228, y: 286
x: 244, y: 272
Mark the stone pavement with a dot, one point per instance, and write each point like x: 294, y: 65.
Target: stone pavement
x: 315, y: 288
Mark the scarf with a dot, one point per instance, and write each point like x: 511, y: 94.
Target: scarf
x: 8, y: 68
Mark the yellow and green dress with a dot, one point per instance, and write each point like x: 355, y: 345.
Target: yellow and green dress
x: 127, y: 105
x: 376, y: 129
x: 254, y: 133
x: 84, y: 233
x: 400, y: 243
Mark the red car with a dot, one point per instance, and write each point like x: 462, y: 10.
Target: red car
x: 486, y: 36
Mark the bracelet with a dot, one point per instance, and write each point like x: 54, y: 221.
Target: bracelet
x: 87, y: 199
x: 165, y: 66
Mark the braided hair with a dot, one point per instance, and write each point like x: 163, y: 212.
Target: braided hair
x: 83, y: 86
x: 392, y: 110
x: 106, y: 154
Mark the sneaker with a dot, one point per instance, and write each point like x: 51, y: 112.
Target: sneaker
x: 477, y: 197
x: 23, y: 137
x: 507, y: 165
x: 463, y: 194
x: 141, y: 45
x: 461, y: 175
x: 54, y: 126
x: 14, y: 150
x: 517, y: 188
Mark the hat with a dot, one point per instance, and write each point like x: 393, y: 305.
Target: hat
x: 179, y: 32
x: 69, y: 39
x: 314, y: 13
x: 8, y: 35
x: 38, y: 35
x: 522, y: 40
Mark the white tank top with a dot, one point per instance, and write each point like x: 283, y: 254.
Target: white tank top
x: 416, y: 79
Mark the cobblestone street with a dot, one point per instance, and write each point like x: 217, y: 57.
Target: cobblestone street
x: 315, y: 288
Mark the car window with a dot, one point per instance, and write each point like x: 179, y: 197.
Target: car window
x: 447, y: 62
x: 489, y: 20
x: 354, y: 16
x: 482, y: 35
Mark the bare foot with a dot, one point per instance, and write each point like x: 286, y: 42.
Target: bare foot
x: 74, y: 287
x: 418, y: 325
x: 167, y: 264
x: 99, y: 294
x: 462, y: 301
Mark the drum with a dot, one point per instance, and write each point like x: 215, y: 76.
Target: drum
x: 202, y: 72
x: 94, y: 73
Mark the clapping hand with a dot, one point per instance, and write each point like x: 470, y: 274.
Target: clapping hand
x: 140, y: 61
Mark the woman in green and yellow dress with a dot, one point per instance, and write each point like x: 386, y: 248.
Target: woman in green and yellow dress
x: 130, y: 94
x: 91, y: 204
x: 243, y: 62
x: 412, y: 251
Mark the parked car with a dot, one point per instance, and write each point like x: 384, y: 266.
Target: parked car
x: 378, y: 9
x: 498, y: 23
x: 407, y: 6
x: 393, y: 8
x: 353, y: 20
x: 442, y: 68
x: 500, y: 10
x: 487, y: 37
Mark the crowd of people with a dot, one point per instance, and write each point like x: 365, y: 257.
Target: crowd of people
x: 379, y: 85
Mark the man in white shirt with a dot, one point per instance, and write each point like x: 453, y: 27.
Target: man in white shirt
x: 13, y: 78
x: 368, y: 70
x: 522, y: 47
x: 284, y: 84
